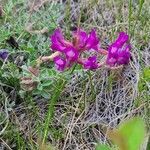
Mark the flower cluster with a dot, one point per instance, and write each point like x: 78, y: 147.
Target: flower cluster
x: 70, y: 52
x: 119, y: 51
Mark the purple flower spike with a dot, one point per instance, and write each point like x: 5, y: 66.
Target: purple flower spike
x: 119, y: 51
x: 58, y: 41
x: 92, y: 41
x: 60, y: 63
x: 3, y: 54
x: 91, y: 63
x: 71, y: 54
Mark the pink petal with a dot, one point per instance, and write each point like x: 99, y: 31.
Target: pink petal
x: 92, y: 41
x: 58, y: 41
x: 60, y: 63
x: 91, y: 63
x: 124, y: 56
x: 71, y: 53
x: 122, y: 38
x: 79, y: 37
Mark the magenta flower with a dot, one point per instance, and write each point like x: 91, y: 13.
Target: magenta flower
x: 71, y: 51
x: 83, y: 41
x: 91, y: 63
x: 119, y: 51
x: 122, y: 39
x: 71, y: 54
x: 92, y: 41
x: 60, y: 63
x: 58, y: 41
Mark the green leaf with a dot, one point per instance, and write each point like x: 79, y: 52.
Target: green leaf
x: 46, y: 83
x: 45, y: 94
x: 102, y: 147
x: 133, y: 132
x: 40, y: 87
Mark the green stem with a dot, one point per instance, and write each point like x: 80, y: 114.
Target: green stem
x: 130, y: 13
x: 92, y: 86
x: 139, y: 13
x: 73, y: 69
x: 57, y: 92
